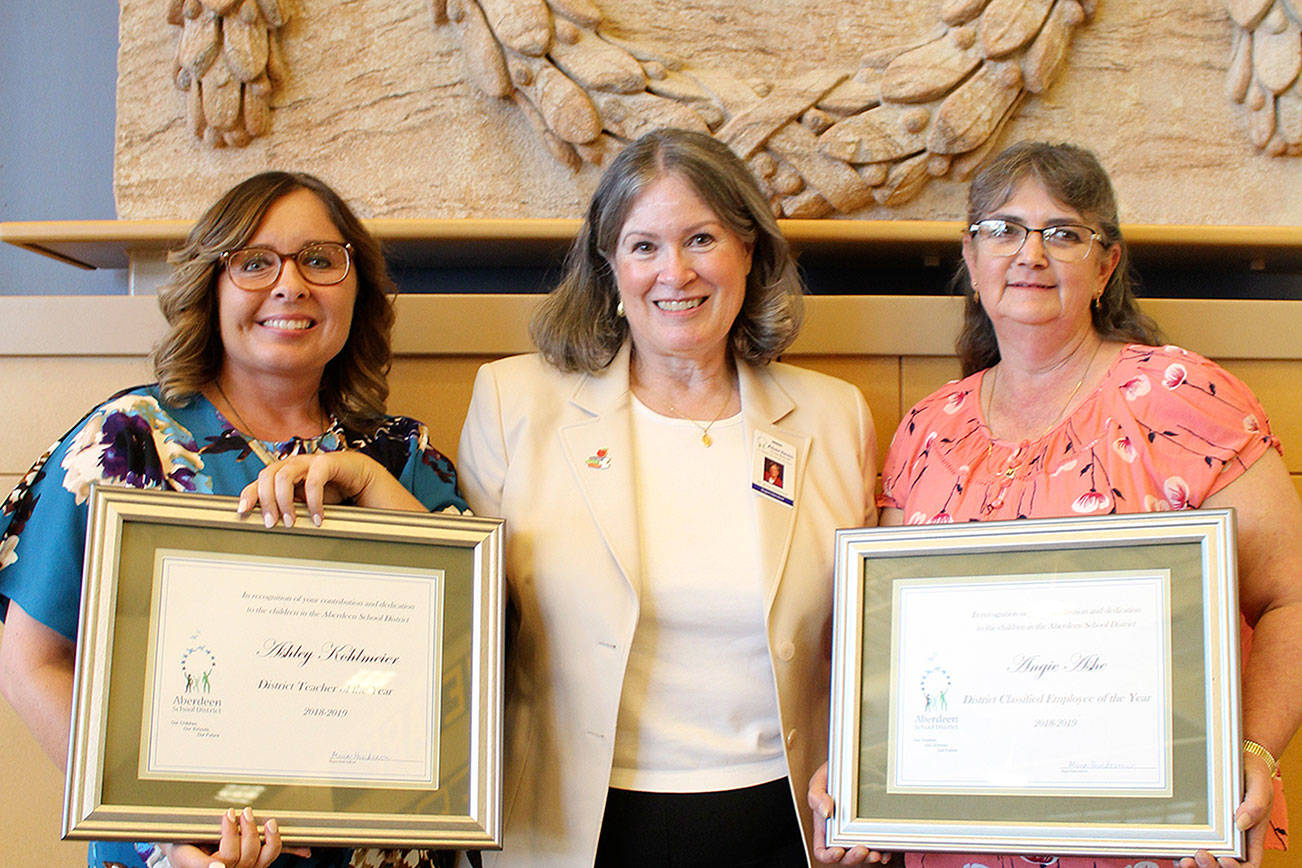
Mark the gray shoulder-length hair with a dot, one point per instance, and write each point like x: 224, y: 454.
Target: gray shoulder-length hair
x: 576, y: 327
x: 354, y: 386
x: 1074, y: 177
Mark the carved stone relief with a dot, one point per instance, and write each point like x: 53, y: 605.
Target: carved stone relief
x: 1264, y: 71
x: 380, y: 102
x: 827, y: 140
x: 228, y: 62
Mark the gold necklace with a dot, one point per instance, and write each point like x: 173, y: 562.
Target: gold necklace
x: 246, y: 431
x: 1010, y: 472
x: 705, y: 429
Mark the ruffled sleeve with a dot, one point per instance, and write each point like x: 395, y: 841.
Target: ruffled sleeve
x: 403, y: 447
x: 1197, y: 427
x: 128, y: 440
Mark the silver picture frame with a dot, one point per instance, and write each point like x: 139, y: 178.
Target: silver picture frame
x: 938, y: 754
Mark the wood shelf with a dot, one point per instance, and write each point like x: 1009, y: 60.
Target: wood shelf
x: 492, y: 243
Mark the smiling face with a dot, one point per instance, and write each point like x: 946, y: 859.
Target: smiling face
x: 681, y: 274
x: 1028, y: 288
x: 293, y: 328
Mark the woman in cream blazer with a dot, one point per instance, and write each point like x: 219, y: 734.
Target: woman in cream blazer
x: 548, y: 444
x: 572, y: 566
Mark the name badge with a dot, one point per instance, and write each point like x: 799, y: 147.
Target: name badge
x: 773, y: 468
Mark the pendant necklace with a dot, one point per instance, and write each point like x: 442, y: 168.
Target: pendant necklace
x: 259, y: 447
x: 1010, y: 472
x: 706, y: 440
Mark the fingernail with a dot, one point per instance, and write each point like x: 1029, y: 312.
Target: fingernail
x: 216, y: 865
x: 248, y: 814
x: 268, y: 519
x: 230, y: 814
x: 316, y: 519
x: 289, y: 519
x: 270, y: 827
x: 242, y: 507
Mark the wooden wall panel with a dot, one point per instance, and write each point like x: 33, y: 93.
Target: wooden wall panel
x: 1278, y: 385
x: 435, y: 390
x: 31, y: 802
x: 878, y: 377
x: 53, y: 393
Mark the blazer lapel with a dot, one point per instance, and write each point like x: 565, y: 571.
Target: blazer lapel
x: 766, y: 404
x: 599, y: 451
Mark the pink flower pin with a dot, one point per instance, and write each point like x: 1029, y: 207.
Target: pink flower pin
x: 1175, y: 375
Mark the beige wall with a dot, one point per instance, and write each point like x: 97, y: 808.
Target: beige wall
x: 55, y: 366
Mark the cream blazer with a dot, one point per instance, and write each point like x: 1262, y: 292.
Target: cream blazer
x: 551, y: 453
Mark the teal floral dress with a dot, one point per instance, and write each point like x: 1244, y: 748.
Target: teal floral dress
x: 137, y: 438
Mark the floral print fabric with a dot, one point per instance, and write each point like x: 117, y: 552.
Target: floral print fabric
x: 137, y: 439
x: 1164, y: 430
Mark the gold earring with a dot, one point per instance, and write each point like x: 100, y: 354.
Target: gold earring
x: 619, y: 309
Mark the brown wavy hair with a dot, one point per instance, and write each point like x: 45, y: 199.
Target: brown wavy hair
x: 1074, y: 177
x: 576, y: 327
x: 354, y: 385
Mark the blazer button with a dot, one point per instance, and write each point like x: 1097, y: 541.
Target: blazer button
x: 791, y: 737
x: 786, y: 650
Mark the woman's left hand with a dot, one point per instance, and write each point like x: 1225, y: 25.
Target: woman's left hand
x: 240, y: 846
x: 321, y: 478
x: 1253, y: 817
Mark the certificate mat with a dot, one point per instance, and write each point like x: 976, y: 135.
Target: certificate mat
x: 1019, y: 685
x: 1063, y: 686
x: 437, y: 577
x: 344, y: 651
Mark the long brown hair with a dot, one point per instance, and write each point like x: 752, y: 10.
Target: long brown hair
x: 354, y: 386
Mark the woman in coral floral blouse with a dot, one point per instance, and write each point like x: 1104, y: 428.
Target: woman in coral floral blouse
x: 1067, y: 408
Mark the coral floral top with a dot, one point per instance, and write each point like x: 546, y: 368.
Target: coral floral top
x: 1165, y: 429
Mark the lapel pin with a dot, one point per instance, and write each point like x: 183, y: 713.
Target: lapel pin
x: 600, y: 461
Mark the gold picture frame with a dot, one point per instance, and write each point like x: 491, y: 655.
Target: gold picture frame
x: 374, y: 641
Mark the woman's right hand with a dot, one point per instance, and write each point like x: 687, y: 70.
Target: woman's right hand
x: 321, y: 478
x: 822, y: 806
x: 240, y: 846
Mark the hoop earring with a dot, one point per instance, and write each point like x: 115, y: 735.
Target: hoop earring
x: 619, y: 309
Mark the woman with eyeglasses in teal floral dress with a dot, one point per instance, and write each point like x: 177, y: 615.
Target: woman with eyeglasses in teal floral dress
x: 279, y: 313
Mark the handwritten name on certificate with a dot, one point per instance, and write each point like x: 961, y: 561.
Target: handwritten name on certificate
x: 286, y: 670
x: 1027, y: 685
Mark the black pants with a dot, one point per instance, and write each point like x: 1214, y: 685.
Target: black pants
x: 754, y: 827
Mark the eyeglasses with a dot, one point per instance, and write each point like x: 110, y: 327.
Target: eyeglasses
x: 1065, y: 242
x: 321, y: 263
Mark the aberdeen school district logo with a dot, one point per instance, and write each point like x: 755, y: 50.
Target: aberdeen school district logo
x: 197, y: 665
x: 935, y: 684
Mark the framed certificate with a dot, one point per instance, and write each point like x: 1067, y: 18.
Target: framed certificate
x: 345, y: 679
x: 1063, y: 686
